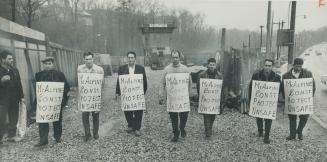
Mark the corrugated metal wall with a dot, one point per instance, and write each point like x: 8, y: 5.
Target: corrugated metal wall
x: 29, y: 47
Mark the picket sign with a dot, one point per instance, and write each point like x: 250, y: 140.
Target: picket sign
x: 22, y: 120
x: 89, y: 91
x: 264, y: 99
x: 49, y: 96
x: 299, y: 96
x: 177, y: 87
x: 132, y: 93
x: 209, y: 98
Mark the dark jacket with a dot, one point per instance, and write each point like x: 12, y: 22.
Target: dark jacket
x: 11, y: 90
x: 206, y: 74
x: 54, y: 76
x: 260, y: 76
x: 138, y: 70
x: 303, y: 74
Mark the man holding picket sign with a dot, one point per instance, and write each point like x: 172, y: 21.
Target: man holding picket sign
x: 264, y: 90
x: 131, y: 86
x: 298, y: 90
x: 209, y: 89
x: 51, y: 95
x: 176, y: 83
x: 90, y: 80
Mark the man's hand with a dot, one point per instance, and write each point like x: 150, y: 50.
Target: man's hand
x: 5, y: 78
x: 161, y: 101
x: 22, y: 100
x: 117, y: 97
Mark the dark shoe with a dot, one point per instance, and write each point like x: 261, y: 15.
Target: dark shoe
x: 96, y: 136
x: 87, y: 137
x: 174, y: 139
x: 207, y: 137
x: 300, y: 136
x: 260, y: 134
x: 290, y: 138
x: 11, y: 139
x: 58, y: 140
x: 40, y: 144
x: 129, y: 130
x: 183, y: 133
x: 210, y: 132
x: 137, y: 133
x: 266, y: 140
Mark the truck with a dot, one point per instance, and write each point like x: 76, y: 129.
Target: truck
x: 159, y: 57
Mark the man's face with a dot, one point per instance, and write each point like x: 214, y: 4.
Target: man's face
x: 212, y: 66
x: 297, y: 68
x: 267, y: 67
x: 48, y: 65
x: 9, y: 60
x: 88, y: 60
x: 175, y: 58
x: 131, y: 59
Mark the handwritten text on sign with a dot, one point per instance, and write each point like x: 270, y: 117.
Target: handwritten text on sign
x: 298, y: 96
x: 49, y: 96
x: 209, y: 100
x: 177, y: 85
x: 89, y: 87
x: 264, y: 99
x: 132, y: 94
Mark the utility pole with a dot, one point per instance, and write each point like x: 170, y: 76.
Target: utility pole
x: 271, y: 35
x: 223, y: 39
x: 268, y: 47
x: 222, y: 48
x: 249, y: 41
x: 278, y: 47
x: 221, y: 63
x: 292, y: 31
x: 261, y: 26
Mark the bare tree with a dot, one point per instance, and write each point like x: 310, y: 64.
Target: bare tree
x: 30, y: 9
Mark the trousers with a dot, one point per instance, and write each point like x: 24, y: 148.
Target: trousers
x: 86, y: 122
x: 174, y: 121
x: 208, y: 120
x: 12, y: 109
x: 44, y: 130
x: 268, y: 123
x: 134, y: 119
x: 293, y: 124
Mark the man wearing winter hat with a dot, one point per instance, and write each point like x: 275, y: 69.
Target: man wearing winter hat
x: 297, y: 72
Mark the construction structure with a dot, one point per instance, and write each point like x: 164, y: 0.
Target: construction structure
x: 156, y: 39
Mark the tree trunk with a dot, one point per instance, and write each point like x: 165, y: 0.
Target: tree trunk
x: 29, y: 14
x: 13, y: 11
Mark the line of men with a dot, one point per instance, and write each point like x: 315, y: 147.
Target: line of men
x: 268, y: 75
x: 12, y: 94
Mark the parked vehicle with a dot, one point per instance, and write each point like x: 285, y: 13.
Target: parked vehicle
x: 159, y: 57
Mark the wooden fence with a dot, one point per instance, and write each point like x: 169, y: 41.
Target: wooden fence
x: 30, y: 47
x: 238, y: 65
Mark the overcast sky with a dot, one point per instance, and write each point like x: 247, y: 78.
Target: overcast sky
x: 250, y: 14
